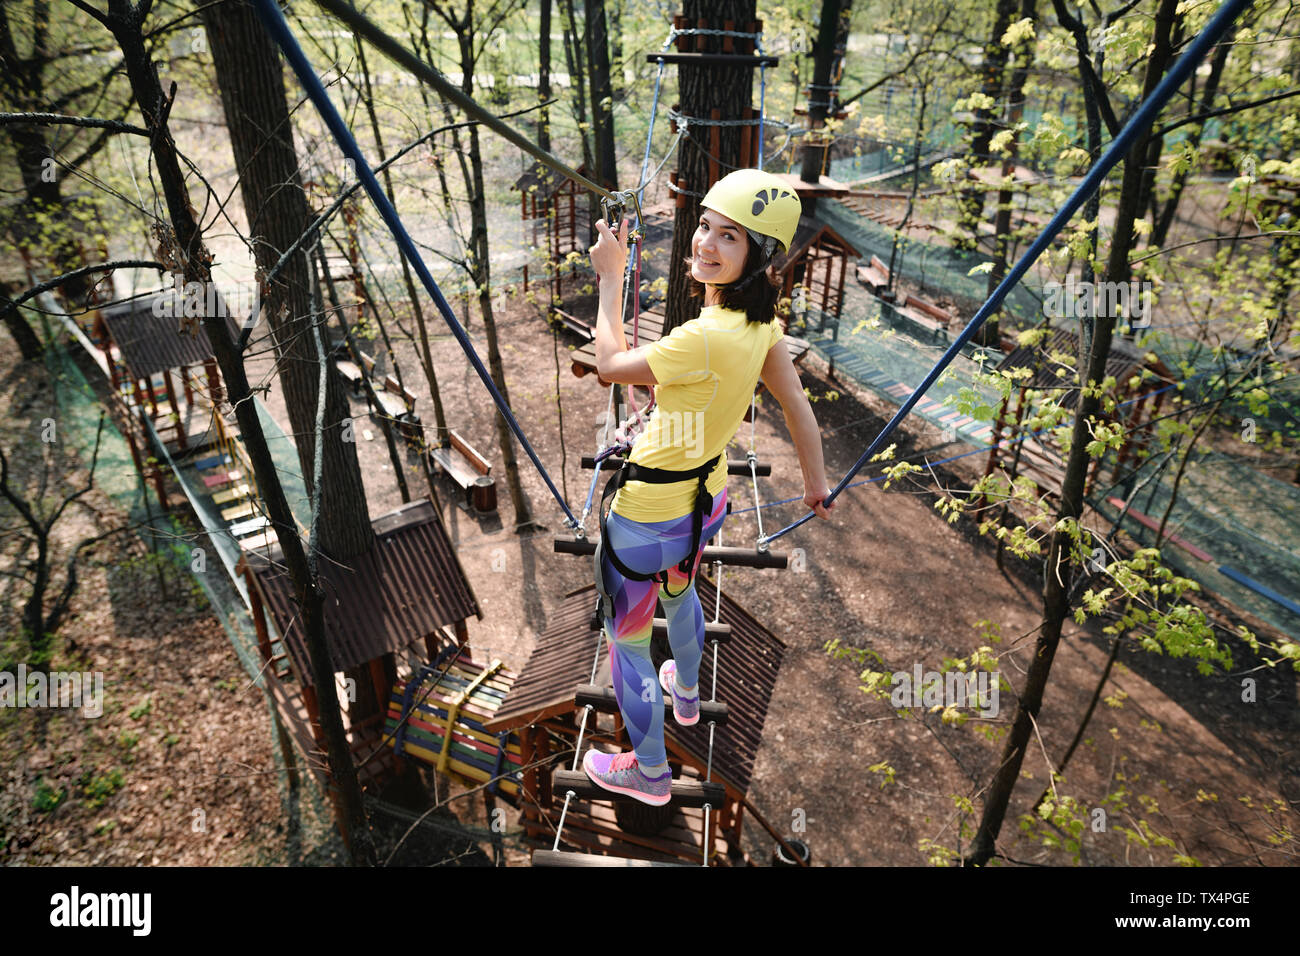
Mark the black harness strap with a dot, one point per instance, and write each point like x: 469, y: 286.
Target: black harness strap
x: 661, y: 476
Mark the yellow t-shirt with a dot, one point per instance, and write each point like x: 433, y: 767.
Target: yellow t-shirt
x: 707, y: 370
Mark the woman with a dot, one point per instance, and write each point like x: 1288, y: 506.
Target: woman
x: 673, y: 497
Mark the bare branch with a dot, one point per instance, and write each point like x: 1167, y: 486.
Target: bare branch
x: 58, y: 119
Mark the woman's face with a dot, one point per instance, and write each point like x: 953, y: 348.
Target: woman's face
x: 718, y: 249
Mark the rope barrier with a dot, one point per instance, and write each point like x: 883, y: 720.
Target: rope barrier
x: 1140, y: 121
x: 279, y: 30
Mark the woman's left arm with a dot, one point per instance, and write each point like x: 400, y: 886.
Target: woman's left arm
x: 615, y: 362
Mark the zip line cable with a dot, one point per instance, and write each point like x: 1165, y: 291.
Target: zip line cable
x: 279, y: 30
x: 1141, y: 120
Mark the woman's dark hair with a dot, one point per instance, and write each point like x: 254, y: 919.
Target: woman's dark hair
x: 755, y: 293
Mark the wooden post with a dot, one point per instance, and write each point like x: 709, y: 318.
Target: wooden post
x: 215, y: 391
x: 746, y: 137
x: 171, y: 400
x: 462, y: 633
x: 715, y: 147
x: 997, y: 437
x: 844, y: 269
x: 528, y: 755
x: 542, y: 745
x: 259, y: 618
x: 379, y: 681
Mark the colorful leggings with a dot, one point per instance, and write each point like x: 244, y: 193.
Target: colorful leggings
x: 647, y: 547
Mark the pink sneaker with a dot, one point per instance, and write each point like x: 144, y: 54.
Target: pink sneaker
x: 685, y: 709
x: 620, y: 773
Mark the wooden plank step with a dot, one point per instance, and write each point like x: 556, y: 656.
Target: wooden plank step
x: 556, y: 858
x: 712, y: 632
x: 735, y: 466
x: 221, y: 478
x: 259, y: 542
x: 685, y: 793
x: 245, y: 528
x: 231, y: 495
x: 737, y: 557
x: 603, y: 699
x: 213, y: 462
x: 238, y: 511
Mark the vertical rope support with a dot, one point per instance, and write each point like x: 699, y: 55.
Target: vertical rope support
x: 708, y: 810
x: 577, y: 750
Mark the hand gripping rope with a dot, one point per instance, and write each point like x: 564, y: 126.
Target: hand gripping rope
x: 1214, y: 31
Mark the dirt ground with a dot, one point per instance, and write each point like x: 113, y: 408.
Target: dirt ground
x: 191, y: 740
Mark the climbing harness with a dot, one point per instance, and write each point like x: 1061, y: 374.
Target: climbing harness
x: 628, y: 471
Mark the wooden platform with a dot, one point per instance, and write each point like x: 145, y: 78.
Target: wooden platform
x: 593, y: 826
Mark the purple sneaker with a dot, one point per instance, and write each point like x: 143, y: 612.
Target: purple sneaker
x: 620, y: 773
x: 685, y: 709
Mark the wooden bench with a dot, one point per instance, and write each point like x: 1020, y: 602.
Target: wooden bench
x: 875, y: 275
x: 351, y: 374
x: 574, y: 324
x: 929, y: 308
x: 470, y: 470
x: 926, y: 314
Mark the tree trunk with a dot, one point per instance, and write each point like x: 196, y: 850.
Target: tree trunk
x: 729, y: 90
x: 990, y: 334
x: 28, y: 342
x: 971, y: 201
x: 249, y: 74
x: 412, y: 295
x: 573, y: 58
x: 42, y: 220
x: 124, y: 22
x: 1056, y: 590
x: 832, y: 33
x: 482, y: 272
x: 544, y: 77
x: 1166, y: 217
x: 602, y: 94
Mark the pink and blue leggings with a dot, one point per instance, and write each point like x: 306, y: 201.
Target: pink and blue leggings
x: 647, y: 547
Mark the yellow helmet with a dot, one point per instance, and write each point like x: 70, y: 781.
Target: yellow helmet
x: 764, y: 204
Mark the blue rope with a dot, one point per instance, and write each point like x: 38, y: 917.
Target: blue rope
x: 1142, y: 119
x: 649, y: 136
x: 279, y: 30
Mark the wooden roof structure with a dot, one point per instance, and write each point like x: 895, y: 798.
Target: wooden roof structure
x: 150, y: 343
x: 1048, y: 371
x: 812, y: 231
x: 407, y: 587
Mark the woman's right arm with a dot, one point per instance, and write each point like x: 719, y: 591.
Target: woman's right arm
x: 782, y: 381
